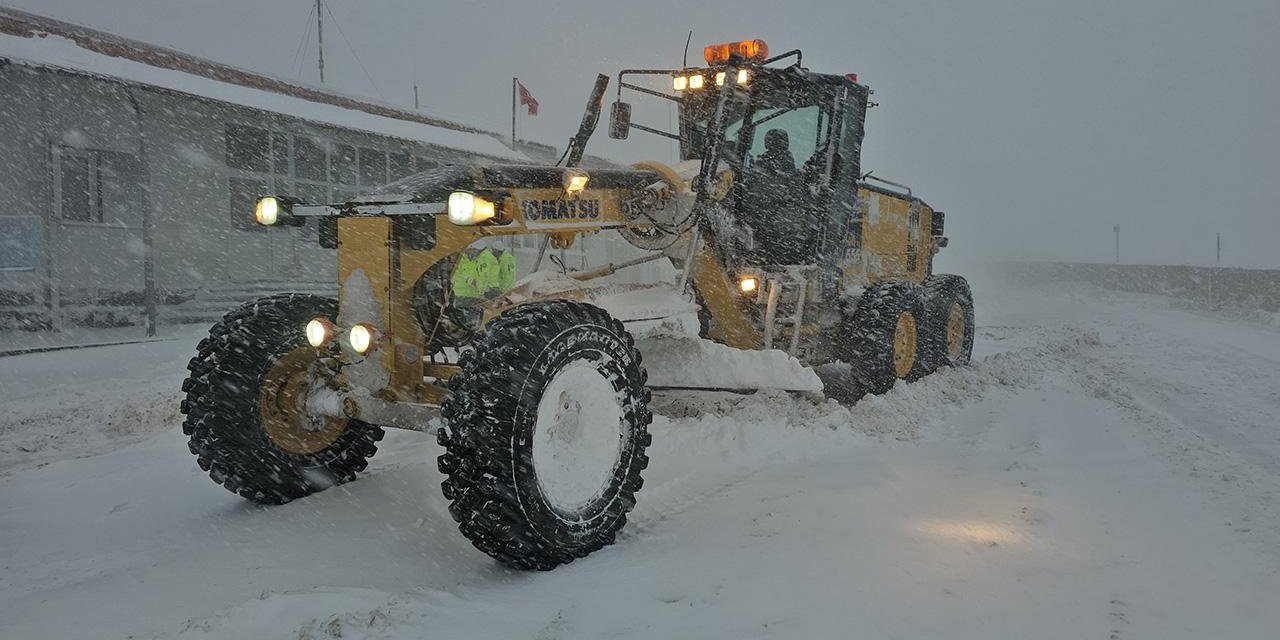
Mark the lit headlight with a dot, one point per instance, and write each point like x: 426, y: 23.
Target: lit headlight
x: 680, y: 83
x: 363, y: 338
x: 748, y: 284
x: 466, y: 209
x: 743, y: 77
x: 267, y: 212
x: 320, y: 331
x: 575, y: 181
x: 695, y: 82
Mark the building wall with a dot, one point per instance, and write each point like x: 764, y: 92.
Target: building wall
x: 197, y: 166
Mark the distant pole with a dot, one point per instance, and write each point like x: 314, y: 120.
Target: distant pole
x: 513, y: 113
x: 415, y: 96
x: 320, y: 36
x: 1117, y: 230
x: 1219, y: 238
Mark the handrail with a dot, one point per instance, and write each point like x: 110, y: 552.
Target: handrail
x: 868, y: 176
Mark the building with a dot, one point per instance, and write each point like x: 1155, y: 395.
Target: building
x: 130, y: 173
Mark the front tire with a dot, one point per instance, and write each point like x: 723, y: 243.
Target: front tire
x: 550, y: 388
x: 243, y: 411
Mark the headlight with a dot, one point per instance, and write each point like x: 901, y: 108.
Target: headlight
x: 680, y: 83
x: 748, y: 284
x: 466, y: 209
x: 320, y: 331
x: 363, y: 338
x: 695, y: 81
x: 575, y: 181
x: 277, y: 210
x: 743, y: 77
x: 267, y: 212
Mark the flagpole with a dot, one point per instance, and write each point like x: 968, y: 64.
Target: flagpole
x: 513, y: 113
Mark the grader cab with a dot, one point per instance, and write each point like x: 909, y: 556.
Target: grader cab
x: 785, y: 251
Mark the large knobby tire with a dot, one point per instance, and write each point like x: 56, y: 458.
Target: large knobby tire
x: 547, y: 426
x: 882, y: 338
x: 248, y: 380
x: 948, y: 330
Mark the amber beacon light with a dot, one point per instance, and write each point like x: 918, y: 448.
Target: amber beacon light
x: 748, y: 49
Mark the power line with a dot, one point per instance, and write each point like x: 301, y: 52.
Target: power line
x: 306, y: 37
x: 353, y: 50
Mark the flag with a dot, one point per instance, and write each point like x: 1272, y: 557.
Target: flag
x: 526, y: 98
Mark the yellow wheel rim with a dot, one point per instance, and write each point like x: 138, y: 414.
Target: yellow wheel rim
x: 282, y: 401
x: 955, y: 331
x: 904, y: 344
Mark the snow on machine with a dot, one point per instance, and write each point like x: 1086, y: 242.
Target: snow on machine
x: 788, y: 257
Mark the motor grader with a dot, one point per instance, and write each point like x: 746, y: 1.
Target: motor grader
x: 539, y: 395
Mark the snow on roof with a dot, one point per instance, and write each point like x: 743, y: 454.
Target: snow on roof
x: 37, y: 46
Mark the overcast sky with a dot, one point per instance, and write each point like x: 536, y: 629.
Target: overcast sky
x: 1036, y: 125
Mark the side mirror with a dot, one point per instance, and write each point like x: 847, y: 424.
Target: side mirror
x: 620, y: 120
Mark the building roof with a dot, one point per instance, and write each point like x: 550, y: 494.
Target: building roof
x: 38, y: 41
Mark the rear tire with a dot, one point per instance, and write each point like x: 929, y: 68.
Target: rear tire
x: 502, y: 491
x: 255, y: 459
x: 882, y: 339
x: 949, y: 328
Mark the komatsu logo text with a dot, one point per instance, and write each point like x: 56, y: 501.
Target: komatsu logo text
x: 560, y: 209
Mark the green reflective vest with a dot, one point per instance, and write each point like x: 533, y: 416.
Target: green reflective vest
x: 506, y: 270
x: 487, y: 276
x: 466, y: 280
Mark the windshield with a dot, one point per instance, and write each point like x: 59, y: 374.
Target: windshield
x: 802, y: 117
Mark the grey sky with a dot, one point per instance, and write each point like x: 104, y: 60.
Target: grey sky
x: 1036, y: 125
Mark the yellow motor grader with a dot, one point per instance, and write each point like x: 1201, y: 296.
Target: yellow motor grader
x: 539, y: 396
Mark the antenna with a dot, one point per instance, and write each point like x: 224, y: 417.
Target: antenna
x: 320, y: 37
x: 685, y: 62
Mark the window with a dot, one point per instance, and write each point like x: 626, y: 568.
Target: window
x: 280, y: 154
x: 248, y: 148
x: 244, y: 196
x: 312, y: 193
x: 401, y: 166
x: 373, y: 167
x: 97, y: 186
x: 261, y: 161
x: 342, y: 169
x: 81, y: 193
x: 804, y: 128
x: 309, y: 162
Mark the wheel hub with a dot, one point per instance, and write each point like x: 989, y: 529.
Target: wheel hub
x: 282, y: 401
x: 904, y: 344
x: 955, y: 331
x: 578, y: 437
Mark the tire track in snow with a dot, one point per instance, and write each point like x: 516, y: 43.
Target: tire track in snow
x: 705, y: 444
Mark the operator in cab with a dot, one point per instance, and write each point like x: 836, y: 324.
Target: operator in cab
x: 776, y: 204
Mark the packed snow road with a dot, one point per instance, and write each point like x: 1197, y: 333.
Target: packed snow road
x: 1108, y: 468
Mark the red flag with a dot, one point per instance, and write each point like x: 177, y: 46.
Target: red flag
x: 526, y: 98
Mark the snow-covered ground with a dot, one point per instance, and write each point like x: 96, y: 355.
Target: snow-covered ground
x: 1108, y: 468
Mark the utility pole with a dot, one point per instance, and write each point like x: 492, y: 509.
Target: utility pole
x: 1117, y: 230
x: 1219, y: 259
x: 320, y: 35
x: 513, y: 112
x: 415, y: 96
